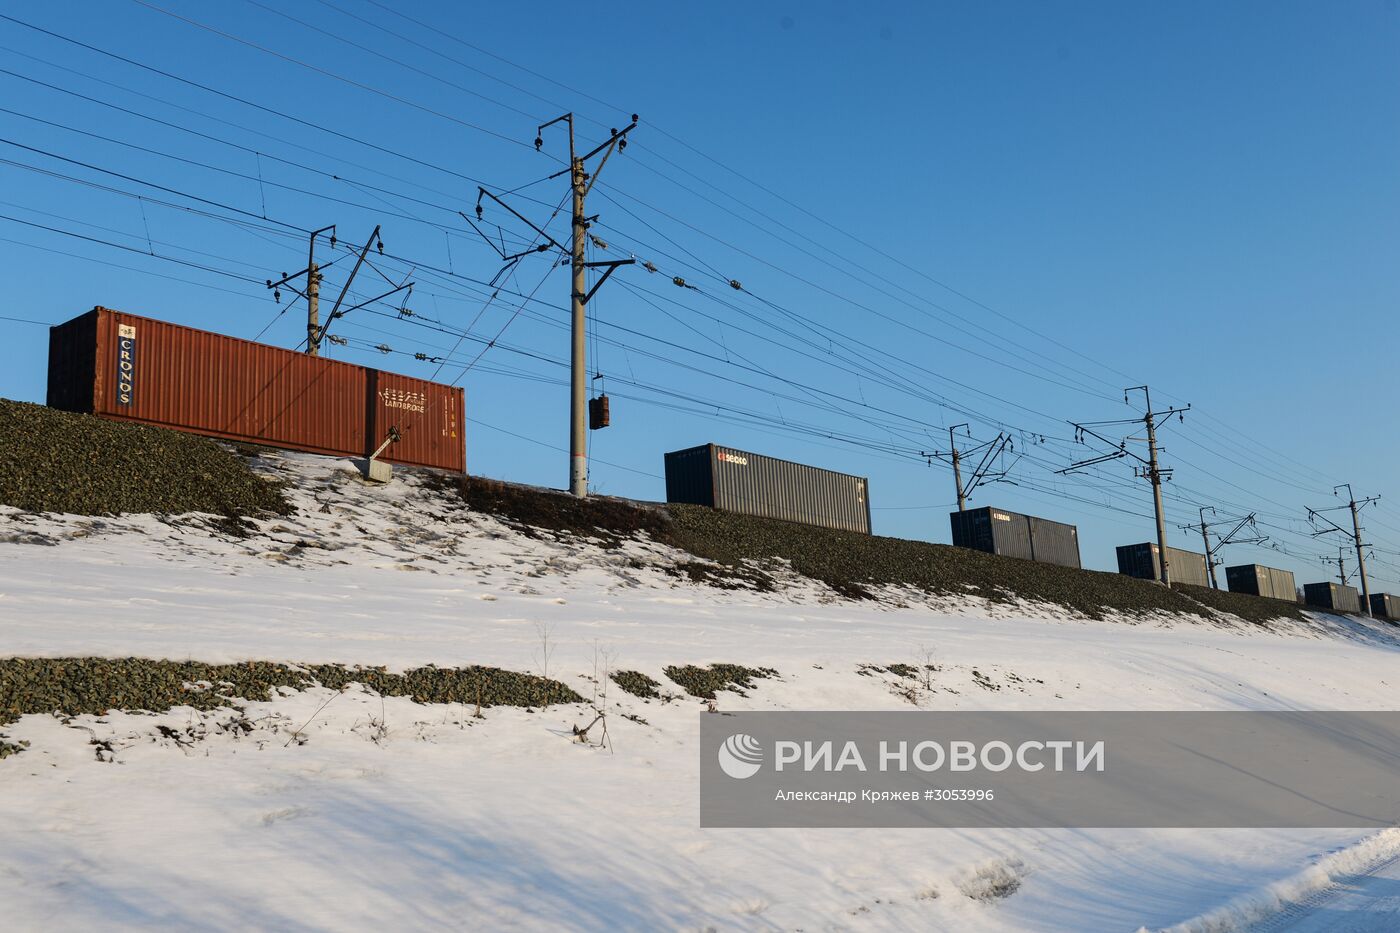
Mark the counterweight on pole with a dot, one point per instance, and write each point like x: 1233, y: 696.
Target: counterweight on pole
x: 581, y: 182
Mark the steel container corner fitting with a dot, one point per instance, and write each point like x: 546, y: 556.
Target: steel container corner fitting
x: 1336, y: 596
x: 1011, y: 534
x: 1258, y: 580
x: 129, y: 368
x: 1140, y: 560
x: 752, y: 484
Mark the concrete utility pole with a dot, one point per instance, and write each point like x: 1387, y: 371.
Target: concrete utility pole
x: 1148, y: 468
x: 982, y: 474
x: 312, y: 293
x: 581, y: 182
x: 313, y: 311
x: 578, y: 365
x: 1228, y: 538
x: 1341, y: 562
x: 957, y: 467
x: 1355, y: 507
x: 1205, y: 539
x: 1360, y: 557
x: 1154, y: 474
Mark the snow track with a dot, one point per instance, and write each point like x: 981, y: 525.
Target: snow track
x: 1362, y: 903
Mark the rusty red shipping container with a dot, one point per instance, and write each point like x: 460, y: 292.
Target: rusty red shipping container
x: 132, y: 368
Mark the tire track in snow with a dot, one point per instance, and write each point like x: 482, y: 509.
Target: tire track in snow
x: 1355, y: 889
x: 1359, y: 903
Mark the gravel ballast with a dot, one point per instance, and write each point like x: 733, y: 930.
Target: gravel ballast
x: 742, y: 550
x: 57, y: 461
x: 74, y: 686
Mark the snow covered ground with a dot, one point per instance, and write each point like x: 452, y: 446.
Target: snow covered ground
x: 396, y: 814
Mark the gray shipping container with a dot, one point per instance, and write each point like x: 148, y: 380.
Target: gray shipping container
x: 752, y: 484
x: 1140, y: 560
x: 1385, y: 606
x: 1011, y: 534
x: 1332, y: 596
x: 1258, y: 580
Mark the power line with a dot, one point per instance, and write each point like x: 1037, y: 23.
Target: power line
x: 245, y: 212
x: 304, y: 167
x: 330, y: 74
x: 439, y: 168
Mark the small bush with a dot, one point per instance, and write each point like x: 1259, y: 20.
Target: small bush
x: 703, y: 682
x: 637, y: 684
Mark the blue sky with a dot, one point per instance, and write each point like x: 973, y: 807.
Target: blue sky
x: 993, y: 213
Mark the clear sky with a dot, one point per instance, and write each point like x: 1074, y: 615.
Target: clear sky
x: 995, y: 213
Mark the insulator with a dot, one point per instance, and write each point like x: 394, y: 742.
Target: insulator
x: 634, y: 118
x: 421, y: 357
x: 384, y: 348
x: 734, y: 284
x: 648, y: 266
x: 332, y: 241
x: 539, y: 141
x: 679, y: 281
x: 277, y: 295
x: 269, y: 283
x: 478, y: 212
x: 381, y: 247
x: 613, y: 131
x: 622, y: 144
x: 405, y: 312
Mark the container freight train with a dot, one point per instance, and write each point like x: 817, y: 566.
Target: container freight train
x: 752, y: 484
x: 1261, y: 581
x: 1011, y: 534
x: 1386, y: 606
x: 130, y: 368
x: 1334, y: 596
x: 1141, y: 561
